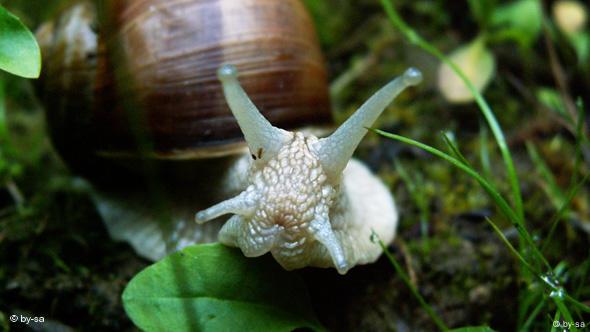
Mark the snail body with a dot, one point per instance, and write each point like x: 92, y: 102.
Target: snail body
x: 297, y: 196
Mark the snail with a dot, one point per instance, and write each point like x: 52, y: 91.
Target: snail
x: 135, y: 84
x: 307, y: 202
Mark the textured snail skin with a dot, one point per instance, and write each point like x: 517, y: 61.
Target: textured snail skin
x: 306, y: 201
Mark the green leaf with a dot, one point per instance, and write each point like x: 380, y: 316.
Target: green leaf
x: 482, y: 10
x: 19, y: 52
x: 211, y: 287
x: 551, y: 99
x: 581, y: 44
x: 519, y: 20
x: 473, y: 329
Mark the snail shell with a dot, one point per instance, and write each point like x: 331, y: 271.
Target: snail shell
x: 139, y: 75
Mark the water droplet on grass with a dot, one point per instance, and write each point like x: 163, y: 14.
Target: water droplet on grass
x: 550, y: 280
x: 558, y: 293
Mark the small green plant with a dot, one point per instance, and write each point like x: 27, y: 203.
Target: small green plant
x: 19, y: 52
x: 211, y: 287
x: 19, y: 55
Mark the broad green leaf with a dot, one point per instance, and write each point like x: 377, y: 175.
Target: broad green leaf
x: 211, y: 287
x: 19, y: 52
x: 473, y: 329
x: 518, y: 20
x: 478, y: 64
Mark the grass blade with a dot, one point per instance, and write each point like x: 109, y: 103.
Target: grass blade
x: 563, y: 311
x: 562, y: 210
x: 484, y: 152
x: 451, y: 143
x: 551, y: 189
x: 437, y: 320
x: 511, y: 248
x: 555, y: 319
x: 533, y: 315
x: 415, y: 188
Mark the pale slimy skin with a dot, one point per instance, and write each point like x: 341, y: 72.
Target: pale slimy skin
x: 306, y: 202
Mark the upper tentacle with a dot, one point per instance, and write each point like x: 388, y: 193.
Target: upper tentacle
x: 263, y: 139
x: 336, y: 150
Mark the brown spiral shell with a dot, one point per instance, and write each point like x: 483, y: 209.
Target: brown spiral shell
x: 139, y: 75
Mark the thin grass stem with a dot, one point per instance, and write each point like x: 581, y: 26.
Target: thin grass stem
x: 484, y: 154
x: 533, y: 315
x: 402, y: 274
x: 455, y: 150
x: 562, y: 210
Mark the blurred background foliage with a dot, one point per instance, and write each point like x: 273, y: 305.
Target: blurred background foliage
x: 533, y: 67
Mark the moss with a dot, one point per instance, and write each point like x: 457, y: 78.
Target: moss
x: 63, y: 265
